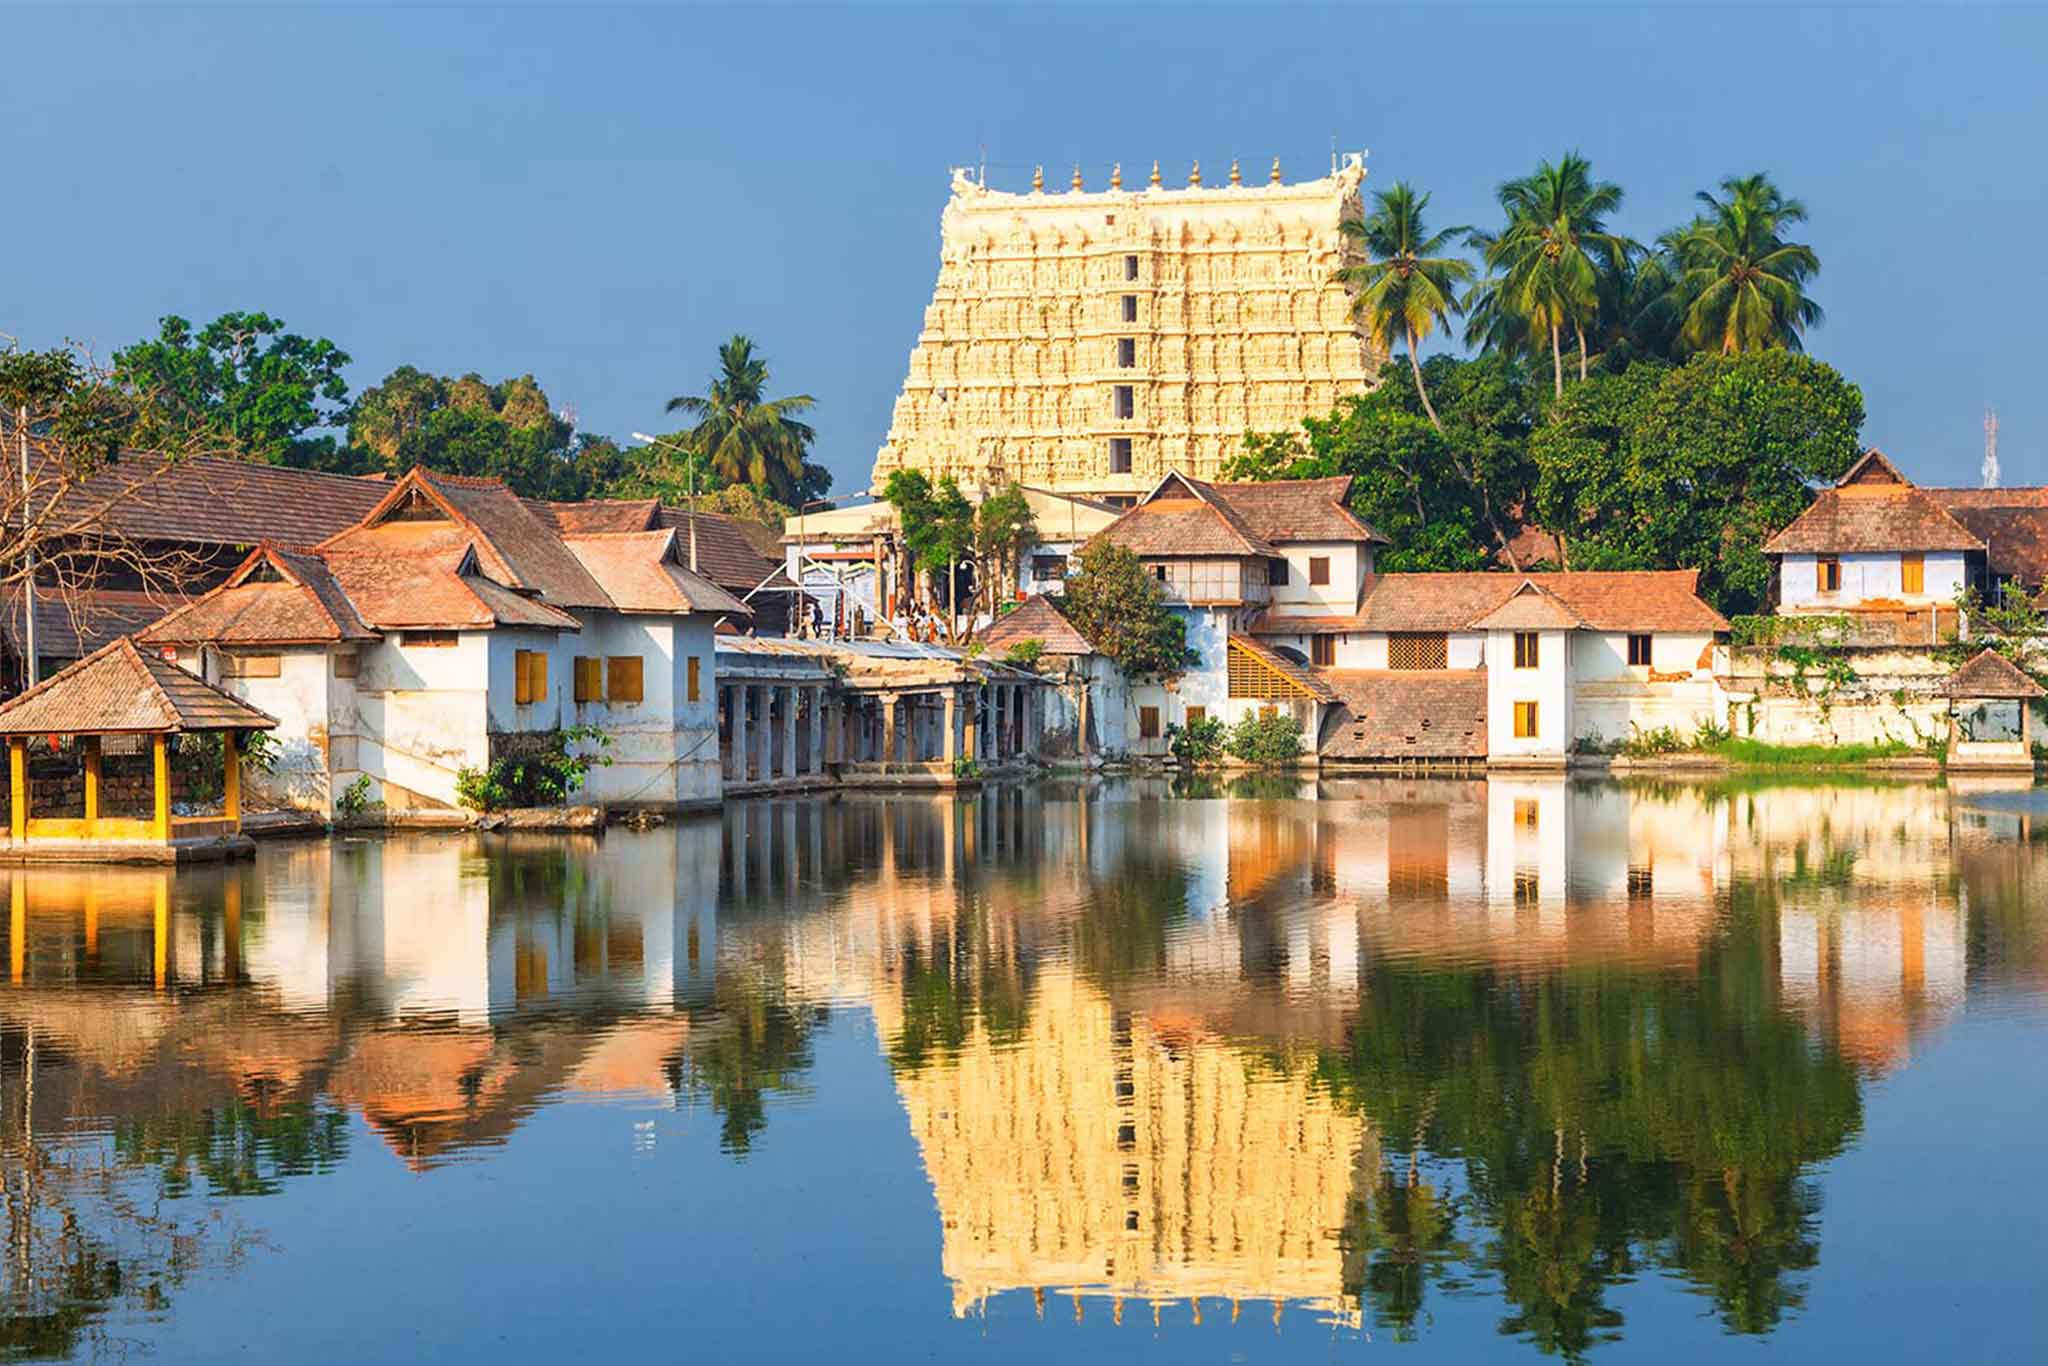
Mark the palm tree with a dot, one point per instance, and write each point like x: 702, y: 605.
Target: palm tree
x: 1405, y: 288
x: 744, y: 437
x: 1547, y: 261
x: 1737, y: 284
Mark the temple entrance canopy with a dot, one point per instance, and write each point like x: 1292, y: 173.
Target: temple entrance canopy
x: 120, y: 692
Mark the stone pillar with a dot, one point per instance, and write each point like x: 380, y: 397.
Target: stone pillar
x: 952, y: 703
x: 736, y: 724
x: 970, y: 739
x: 764, y: 737
x: 888, y: 701
x: 814, y: 738
x: 789, y: 765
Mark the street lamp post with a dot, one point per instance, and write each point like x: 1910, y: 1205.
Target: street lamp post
x: 670, y: 445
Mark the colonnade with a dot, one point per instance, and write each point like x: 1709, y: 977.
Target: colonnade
x: 782, y: 732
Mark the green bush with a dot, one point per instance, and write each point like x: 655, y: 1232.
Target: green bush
x: 355, y: 798
x: 1198, y: 742
x: 1268, y: 738
x: 1643, y: 744
x: 1025, y: 654
x: 546, y: 777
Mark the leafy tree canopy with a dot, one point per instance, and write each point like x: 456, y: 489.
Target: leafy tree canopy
x: 242, y: 375
x: 1122, y: 612
x: 505, y: 431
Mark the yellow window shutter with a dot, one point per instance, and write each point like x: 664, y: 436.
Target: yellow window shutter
x: 622, y: 678
x: 522, y: 687
x: 540, y: 676
x: 589, y: 683
x: 696, y: 679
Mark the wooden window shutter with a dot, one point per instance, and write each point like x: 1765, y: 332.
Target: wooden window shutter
x: 1913, y: 573
x: 696, y: 679
x: 522, y: 684
x: 589, y: 681
x: 622, y: 679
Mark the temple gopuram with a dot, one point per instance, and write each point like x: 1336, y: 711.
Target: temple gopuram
x: 1091, y: 341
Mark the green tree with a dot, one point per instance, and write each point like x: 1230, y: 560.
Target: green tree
x: 937, y: 525
x: 1546, y: 262
x: 507, y: 431
x: 244, y: 376
x: 748, y: 437
x: 1736, y: 283
x: 1121, y: 610
x: 1004, y: 529
x: 1406, y: 288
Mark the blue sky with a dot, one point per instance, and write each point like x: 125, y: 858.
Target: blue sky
x: 599, y: 196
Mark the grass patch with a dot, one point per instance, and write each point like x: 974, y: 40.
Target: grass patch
x: 1763, y: 755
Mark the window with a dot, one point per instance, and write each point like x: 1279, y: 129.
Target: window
x: 434, y: 639
x: 1525, y: 720
x: 588, y: 679
x: 1126, y: 352
x: 1130, y: 267
x: 1197, y: 715
x: 1527, y: 646
x: 1126, y: 401
x: 1639, y: 651
x: 347, y: 664
x: 1913, y: 573
x: 1827, y: 575
x: 1148, y: 723
x: 696, y: 693
x: 1130, y: 308
x: 1417, y: 650
x: 1119, y: 455
x: 1159, y: 572
x: 623, y: 679
x: 1322, y: 651
x: 1048, y: 566
x: 1276, y: 572
x: 529, y: 677
x: 250, y: 666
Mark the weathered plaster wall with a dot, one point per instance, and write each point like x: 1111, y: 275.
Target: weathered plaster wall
x: 1867, y: 577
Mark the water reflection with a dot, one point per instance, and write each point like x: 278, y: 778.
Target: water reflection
x: 1368, y: 1051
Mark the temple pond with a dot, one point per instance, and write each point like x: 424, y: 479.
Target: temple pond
x: 1274, y: 1072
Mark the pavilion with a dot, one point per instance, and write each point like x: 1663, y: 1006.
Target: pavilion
x: 1989, y: 698
x: 122, y: 691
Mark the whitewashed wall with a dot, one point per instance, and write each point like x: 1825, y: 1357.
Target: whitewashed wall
x: 1349, y: 565
x: 1867, y: 577
x: 1548, y: 685
x: 424, y: 716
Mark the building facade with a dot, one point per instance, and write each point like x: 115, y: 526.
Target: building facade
x: 1092, y: 341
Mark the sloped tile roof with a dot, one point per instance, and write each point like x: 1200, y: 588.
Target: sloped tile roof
x: 724, y: 554
x: 504, y: 607
x: 2012, y: 523
x: 73, y: 624
x: 1406, y: 714
x: 1872, y: 518
x: 1989, y: 674
x: 305, y: 606
x: 1614, y: 601
x: 1036, y: 618
x: 1531, y: 607
x: 598, y: 515
x: 1284, y: 510
x: 121, y: 689
x: 639, y: 571
x: 529, y: 549
x: 205, y: 500
x: 1183, y: 526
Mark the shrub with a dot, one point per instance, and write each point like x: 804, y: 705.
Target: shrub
x: 1642, y: 744
x: 1199, y: 741
x: 1268, y: 738
x: 1025, y: 654
x: 355, y: 798
x: 543, y: 778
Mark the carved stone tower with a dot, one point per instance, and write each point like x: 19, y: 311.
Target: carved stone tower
x: 1089, y: 342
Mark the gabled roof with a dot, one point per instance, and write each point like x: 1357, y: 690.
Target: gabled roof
x: 1422, y: 714
x: 296, y: 602
x: 597, y: 516
x: 429, y: 576
x: 1036, y: 618
x: 74, y: 623
x: 1610, y: 601
x: 640, y: 572
x: 1289, y: 510
x: 513, y: 546
x: 119, y: 689
x: 2011, y: 522
x: 1183, y: 516
x: 724, y: 554
x: 206, y: 500
x: 1872, y: 509
x: 1989, y: 674
x: 1531, y: 607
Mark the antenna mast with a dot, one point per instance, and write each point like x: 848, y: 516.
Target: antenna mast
x: 1990, y: 447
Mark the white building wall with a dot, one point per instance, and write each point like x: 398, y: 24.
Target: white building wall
x: 424, y: 714
x: 1867, y: 577
x: 1613, y: 699
x: 298, y: 698
x: 1349, y: 564
x: 1548, y: 685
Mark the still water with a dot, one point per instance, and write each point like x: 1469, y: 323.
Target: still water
x: 1124, y: 1071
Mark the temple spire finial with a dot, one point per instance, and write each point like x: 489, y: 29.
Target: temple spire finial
x: 1037, y: 179
x: 1116, y: 176
x: 1274, y: 178
x: 1155, y: 173
x: 1195, y: 176
x: 1235, y: 177
x: 1077, y: 175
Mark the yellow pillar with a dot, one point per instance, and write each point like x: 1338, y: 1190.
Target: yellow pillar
x: 92, y: 922
x: 91, y: 744
x: 17, y: 785
x: 231, y: 778
x: 161, y: 818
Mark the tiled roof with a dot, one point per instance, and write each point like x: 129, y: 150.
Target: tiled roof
x: 507, y: 608
x: 1307, y: 680
x: 71, y: 625
x: 1036, y: 618
x: 529, y: 550
x: 1989, y: 674
x: 1184, y: 526
x: 640, y: 572
x: 119, y: 688
x: 304, y: 605
x: 598, y: 515
x: 1297, y: 510
x: 2012, y: 524
x: 1868, y: 518
x: 210, y: 501
x: 1615, y: 600
x: 425, y: 575
x: 1531, y: 607
x: 1406, y: 714
x: 724, y: 554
